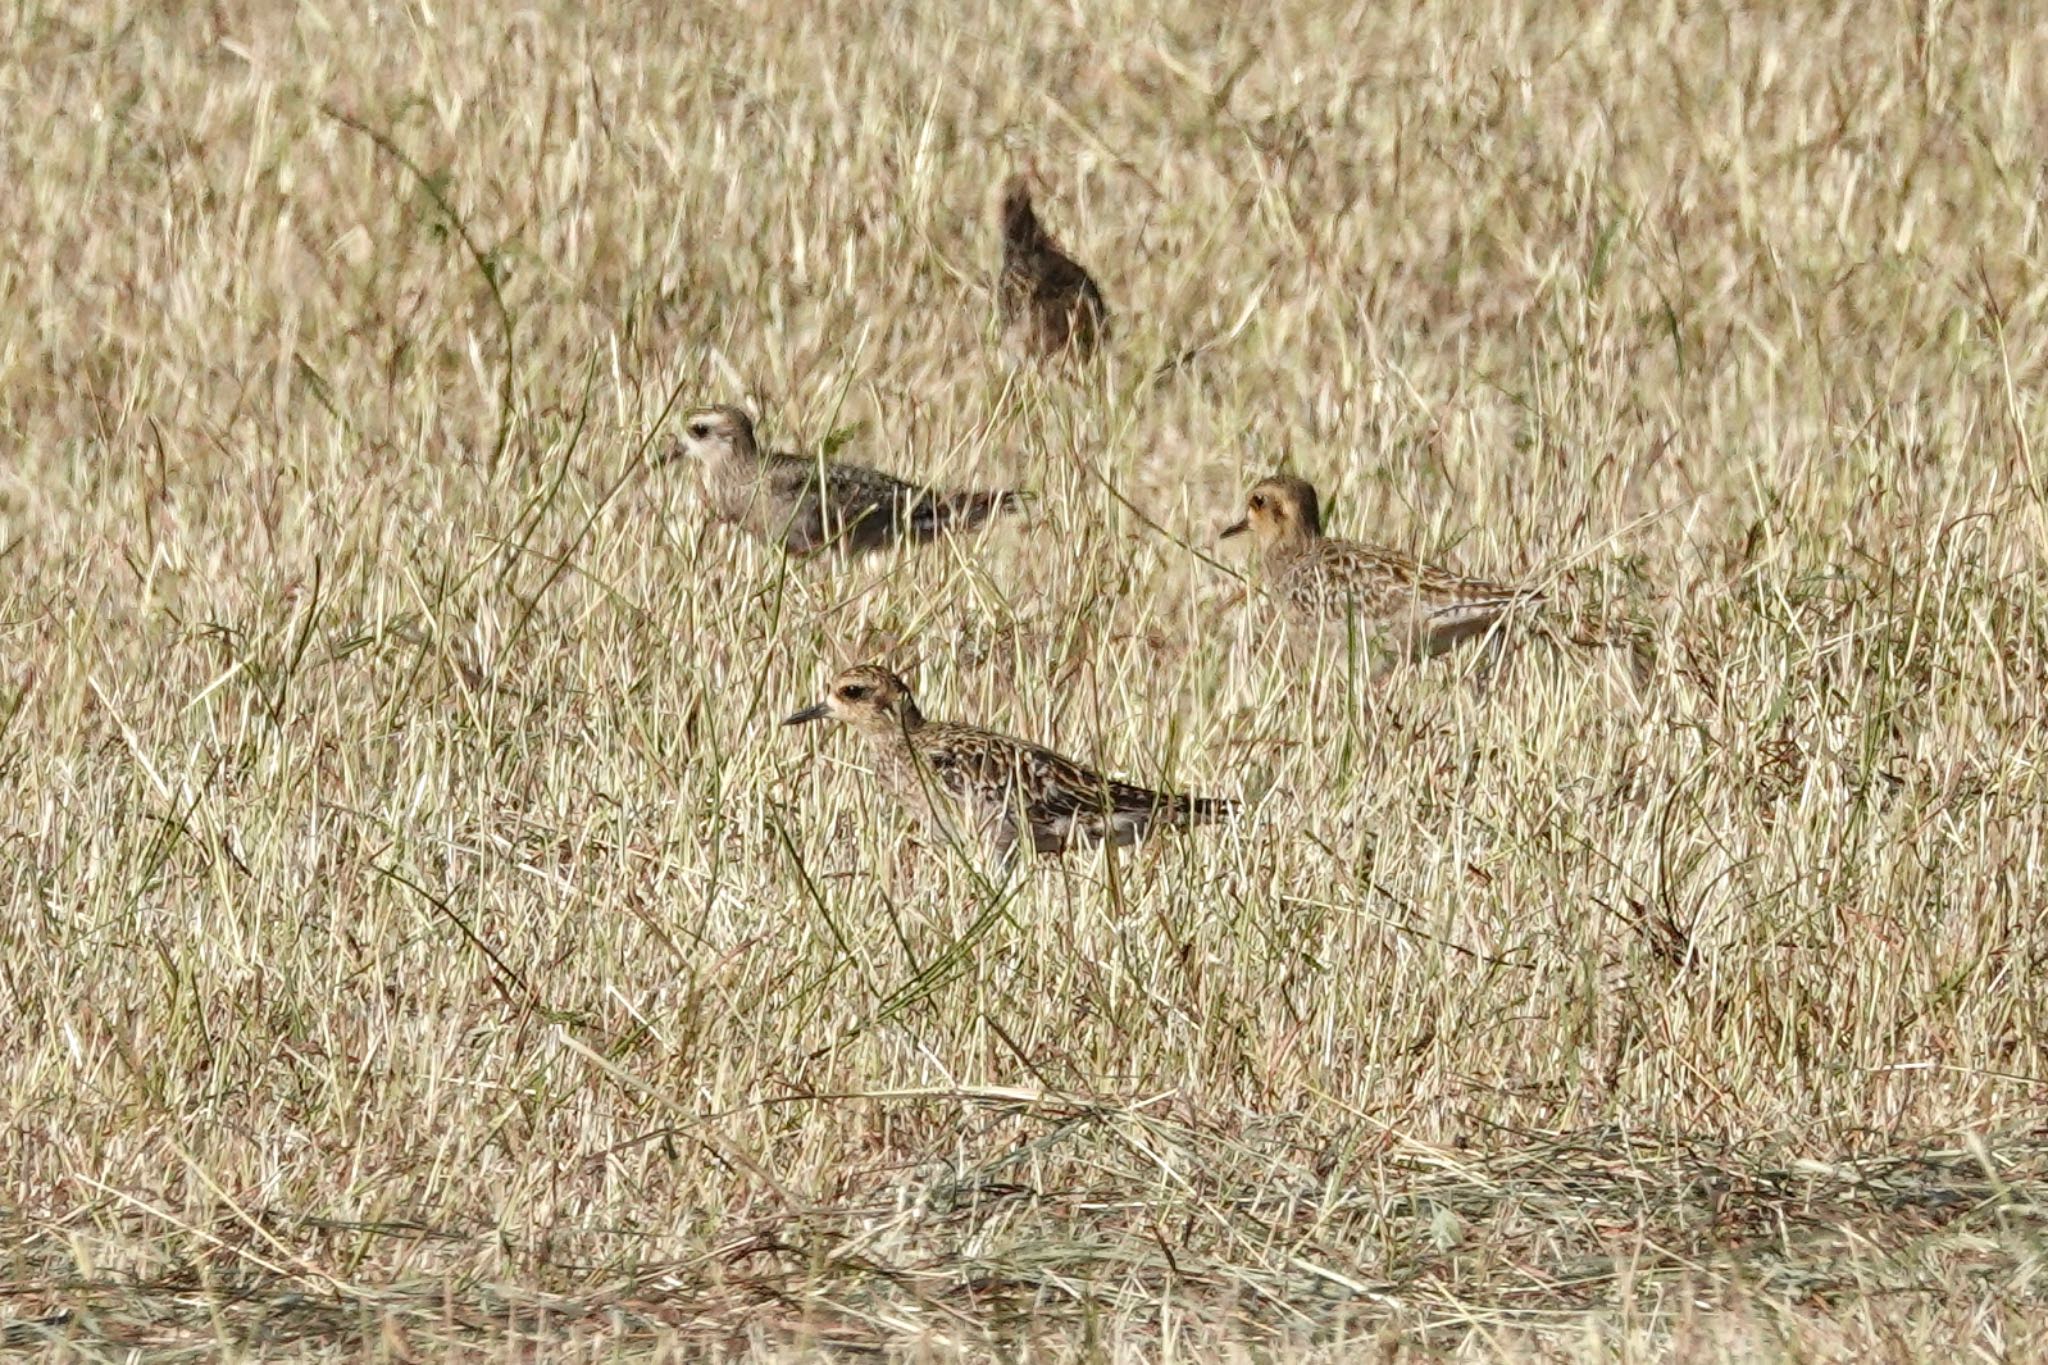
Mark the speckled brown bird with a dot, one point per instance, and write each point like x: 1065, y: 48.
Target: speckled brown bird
x: 805, y: 504
x: 1049, y: 305
x: 1406, y: 608
x: 1004, y: 792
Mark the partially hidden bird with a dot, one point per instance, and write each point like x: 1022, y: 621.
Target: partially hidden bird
x: 1049, y: 306
x: 805, y: 504
x: 1007, y: 793
x: 1404, y: 608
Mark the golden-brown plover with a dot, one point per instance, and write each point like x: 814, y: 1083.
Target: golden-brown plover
x: 1405, y: 608
x: 991, y: 787
x: 807, y: 504
x: 1047, y: 302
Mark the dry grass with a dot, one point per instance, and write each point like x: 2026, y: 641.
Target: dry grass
x: 419, y: 938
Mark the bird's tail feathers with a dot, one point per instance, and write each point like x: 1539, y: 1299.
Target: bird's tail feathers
x: 965, y: 511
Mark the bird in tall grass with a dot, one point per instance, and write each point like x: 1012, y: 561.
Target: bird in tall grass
x: 1400, y: 606
x: 1049, y: 305
x: 805, y: 504
x: 1007, y: 793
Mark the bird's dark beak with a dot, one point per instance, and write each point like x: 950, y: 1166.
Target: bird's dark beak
x: 1237, y: 529
x: 809, y: 713
x: 667, y: 455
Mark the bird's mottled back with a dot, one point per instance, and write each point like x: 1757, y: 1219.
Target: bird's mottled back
x: 1411, y: 607
x: 1048, y: 303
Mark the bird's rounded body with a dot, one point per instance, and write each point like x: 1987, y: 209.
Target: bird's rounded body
x: 1004, y: 792
x: 1048, y: 304
x: 998, y: 786
x: 1408, y: 608
x: 805, y: 505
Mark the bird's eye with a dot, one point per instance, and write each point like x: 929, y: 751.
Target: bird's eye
x: 1258, y: 502
x: 700, y: 430
x: 853, y: 693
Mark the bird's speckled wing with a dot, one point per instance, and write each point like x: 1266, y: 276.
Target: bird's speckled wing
x: 1340, y: 578
x: 983, y: 767
x: 999, y: 777
x: 1046, y: 292
x: 1050, y: 276
x: 866, y: 509
x: 851, y: 503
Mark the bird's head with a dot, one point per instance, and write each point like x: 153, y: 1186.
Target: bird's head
x: 869, y: 698
x: 1280, y: 511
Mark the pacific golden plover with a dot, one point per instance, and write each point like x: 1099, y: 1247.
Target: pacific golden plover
x: 1000, y: 790
x: 1403, y: 607
x: 1047, y: 302
x: 806, y: 504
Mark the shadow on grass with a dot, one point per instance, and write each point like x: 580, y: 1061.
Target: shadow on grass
x: 1435, y: 1250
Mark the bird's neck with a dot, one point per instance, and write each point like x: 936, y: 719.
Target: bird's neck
x: 1021, y: 232
x: 735, y: 467
x: 891, y: 729
x: 1291, y: 546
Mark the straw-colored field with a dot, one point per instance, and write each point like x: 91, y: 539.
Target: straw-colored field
x: 420, y: 938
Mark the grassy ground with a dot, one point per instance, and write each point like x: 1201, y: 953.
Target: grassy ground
x: 418, y: 937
